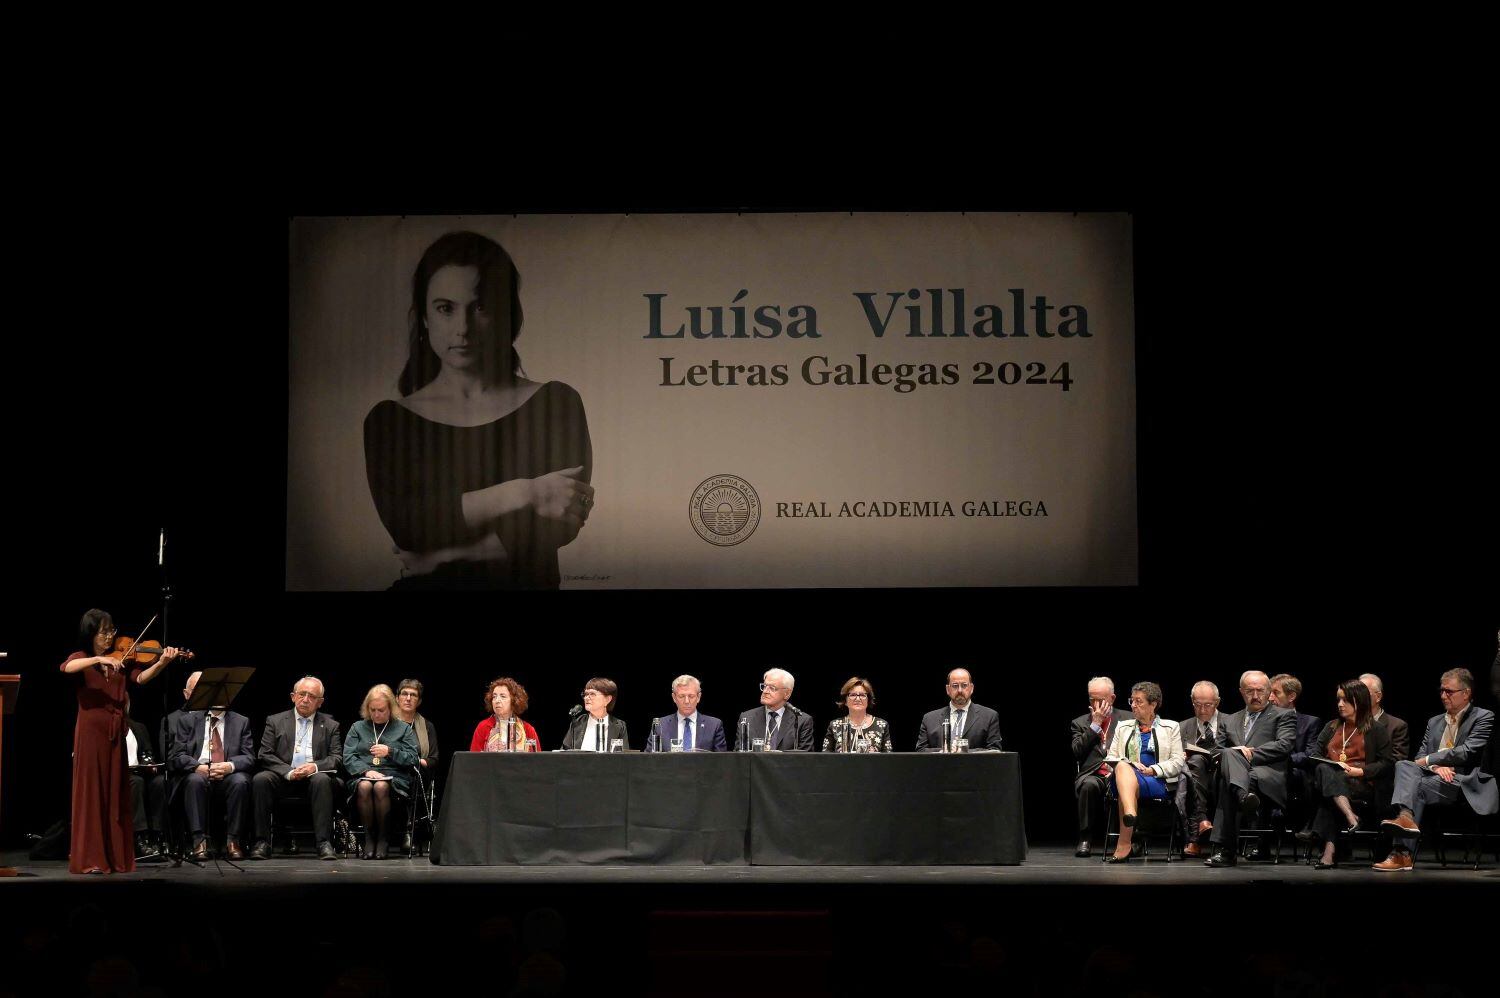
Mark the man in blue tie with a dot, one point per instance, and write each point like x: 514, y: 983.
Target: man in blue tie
x: 697, y: 731
x: 299, y: 755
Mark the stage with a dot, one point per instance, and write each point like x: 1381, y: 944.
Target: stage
x: 1045, y: 867
x: 1055, y: 924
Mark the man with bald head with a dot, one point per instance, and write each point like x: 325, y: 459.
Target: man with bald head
x: 1091, y: 735
x: 979, y: 725
x: 299, y: 756
x: 1203, y: 731
x: 1256, y: 745
x: 1400, y: 733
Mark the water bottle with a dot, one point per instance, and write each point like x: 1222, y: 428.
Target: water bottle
x: 743, y: 742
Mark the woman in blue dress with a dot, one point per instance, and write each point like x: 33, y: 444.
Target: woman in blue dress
x: 1148, y: 759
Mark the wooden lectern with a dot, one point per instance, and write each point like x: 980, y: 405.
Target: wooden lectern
x: 10, y: 688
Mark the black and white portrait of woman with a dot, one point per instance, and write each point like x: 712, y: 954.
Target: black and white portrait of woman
x: 478, y: 474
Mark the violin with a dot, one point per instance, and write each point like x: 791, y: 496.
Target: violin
x: 132, y: 652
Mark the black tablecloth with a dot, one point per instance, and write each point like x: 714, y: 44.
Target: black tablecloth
x: 702, y: 808
x: 562, y: 808
x: 894, y: 809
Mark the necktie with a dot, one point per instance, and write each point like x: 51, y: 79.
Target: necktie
x: 1450, y: 733
x: 687, y: 734
x: 1249, y: 723
x: 215, y: 743
x: 301, y: 750
x: 1205, y: 737
x: 958, y: 724
x: 771, y: 731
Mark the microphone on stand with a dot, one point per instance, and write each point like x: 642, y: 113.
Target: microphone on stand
x: 656, y: 732
x: 161, y: 547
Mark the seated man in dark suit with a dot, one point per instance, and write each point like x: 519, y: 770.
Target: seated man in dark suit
x: 1091, y: 735
x: 967, y: 719
x: 1400, y: 732
x: 783, y: 727
x: 1197, y: 801
x: 300, y: 751
x: 1449, y: 763
x: 212, y: 755
x: 148, y: 788
x: 1256, y: 746
x: 697, y: 731
x: 1285, y: 689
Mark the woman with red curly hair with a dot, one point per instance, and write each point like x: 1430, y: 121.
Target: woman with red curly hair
x: 503, y: 730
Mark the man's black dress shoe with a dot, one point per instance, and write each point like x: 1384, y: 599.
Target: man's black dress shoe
x: 1257, y: 853
x: 1249, y: 804
x: 1085, y: 850
x: 325, y: 851
x: 261, y: 850
x: 1220, y: 859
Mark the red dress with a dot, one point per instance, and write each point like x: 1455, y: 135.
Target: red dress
x: 482, y: 734
x: 103, y: 816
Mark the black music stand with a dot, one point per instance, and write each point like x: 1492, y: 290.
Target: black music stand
x: 216, y: 690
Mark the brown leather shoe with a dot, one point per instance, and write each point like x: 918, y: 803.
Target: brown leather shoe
x: 1395, y: 862
x: 1192, y: 849
x: 234, y: 852
x: 200, y: 851
x: 1402, y: 821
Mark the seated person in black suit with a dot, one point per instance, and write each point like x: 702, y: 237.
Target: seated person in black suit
x: 1399, y: 729
x: 776, y: 722
x: 148, y: 788
x: 212, y: 756
x: 300, y: 750
x: 1091, y: 735
x: 967, y: 719
x: 1285, y: 689
x: 1362, y: 758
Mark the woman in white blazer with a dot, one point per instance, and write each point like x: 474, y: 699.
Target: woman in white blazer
x: 1148, y: 758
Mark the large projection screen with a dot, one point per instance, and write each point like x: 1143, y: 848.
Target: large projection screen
x: 757, y: 401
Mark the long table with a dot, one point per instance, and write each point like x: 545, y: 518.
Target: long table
x: 706, y: 808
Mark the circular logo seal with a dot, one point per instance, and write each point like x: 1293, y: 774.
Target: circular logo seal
x: 724, y: 510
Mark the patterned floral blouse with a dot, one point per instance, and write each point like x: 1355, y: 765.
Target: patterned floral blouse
x: 873, y: 737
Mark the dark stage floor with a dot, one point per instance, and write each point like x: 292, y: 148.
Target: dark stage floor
x: 1053, y: 926
x: 1046, y: 866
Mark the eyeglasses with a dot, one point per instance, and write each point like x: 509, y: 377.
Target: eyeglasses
x: 1446, y: 692
x: 1138, y: 701
x: 773, y: 689
x: 959, y: 686
x: 304, y: 695
x: 408, y: 693
x: 1203, y: 703
x: 858, y: 696
x: 589, y: 693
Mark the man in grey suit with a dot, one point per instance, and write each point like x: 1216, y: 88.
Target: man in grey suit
x: 979, y: 725
x: 781, y: 726
x: 1257, y: 744
x: 1400, y: 733
x: 300, y: 751
x: 1195, y: 799
x: 1449, y: 762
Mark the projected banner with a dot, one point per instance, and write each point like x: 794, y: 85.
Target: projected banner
x: 711, y: 401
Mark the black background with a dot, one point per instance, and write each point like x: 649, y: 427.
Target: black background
x: 1314, y: 470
